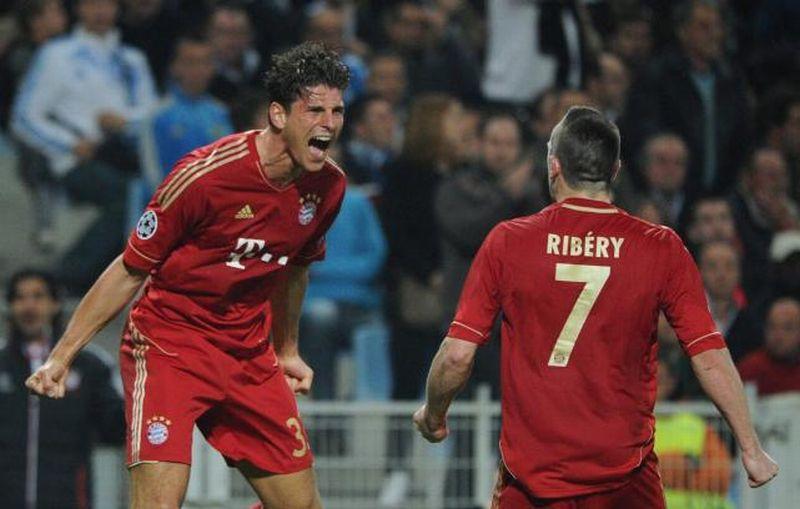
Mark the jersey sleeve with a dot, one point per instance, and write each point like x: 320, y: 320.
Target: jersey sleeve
x: 171, y: 215
x: 684, y: 302
x: 314, y: 249
x: 480, y: 297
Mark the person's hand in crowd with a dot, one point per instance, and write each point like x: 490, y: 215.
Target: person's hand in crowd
x: 84, y: 150
x: 111, y: 122
x: 517, y: 181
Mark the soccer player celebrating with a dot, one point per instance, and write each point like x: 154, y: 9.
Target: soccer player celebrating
x: 580, y: 286
x: 224, y: 246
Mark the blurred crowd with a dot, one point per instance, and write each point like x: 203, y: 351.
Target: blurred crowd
x: 449, y: 110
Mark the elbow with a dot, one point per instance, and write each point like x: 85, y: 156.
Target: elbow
x: 459, y: 358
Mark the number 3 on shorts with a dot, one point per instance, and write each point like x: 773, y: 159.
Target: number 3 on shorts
x: 595, y: 278
x: 295, y: 426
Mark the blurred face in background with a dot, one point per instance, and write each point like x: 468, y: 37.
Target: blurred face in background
x: 407, y: 29
x: 230, y: 35
x: 713, y: 221
x: 611, y: 87
x: 49, y: 22
x: 98, y: 16
x: 719, y: 268
x: 768, y: 177
x: 378, y: 125
x: 633, y: 41
x: 666, y: 158
x: 32, y: 308
x: 193, y: 66
x: 501, y: 144
x: 327, y: 26
x: 387, y: 78
x: 702, y: 35
x: 782, y: 333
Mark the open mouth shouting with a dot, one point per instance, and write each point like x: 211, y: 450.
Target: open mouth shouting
x: 318, y: 145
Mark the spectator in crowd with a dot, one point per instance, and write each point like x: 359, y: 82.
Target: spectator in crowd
x: 372, y: 125
x: 712, y: 220
x: 435, y: 60
x: 238, y: 64
x: 326, y: 24
x: 664, y: 164
x: 471, y: 201
x: 782, y: 131
x: 249, y: 111
x: 697, y: 95
x: 470, y: 145
x: 388, y: 79
x: 190, y: 117
x: 762, y: 206
x: 533, y: 46
x: 775, y: 367
x: 720, y: 268
x: 632, y: 39
x: 607, y: 86
x: 46, y: 443
x: 343, y: 307
x: 430, y: 152
x: 695, y: 464
x: 81, y: 105
x: 37, y: 22
x: 151, y: 26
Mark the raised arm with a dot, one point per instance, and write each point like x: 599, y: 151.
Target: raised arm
x: 287, y: 302
x: 720, y: 380
x: 112, y: 291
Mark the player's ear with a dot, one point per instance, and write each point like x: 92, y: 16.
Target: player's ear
x: 277, y: 115
x: 553, y: 167
x: 615, y: 170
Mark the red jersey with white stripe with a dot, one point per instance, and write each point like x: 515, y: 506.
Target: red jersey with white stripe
x: 216, y: 238
x: 580, y: 286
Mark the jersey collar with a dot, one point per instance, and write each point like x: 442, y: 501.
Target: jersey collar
x: 587, y: 205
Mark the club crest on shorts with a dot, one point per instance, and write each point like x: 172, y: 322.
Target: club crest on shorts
x: 147, y: 225
x: 308, y: 208
x: 158, y: 429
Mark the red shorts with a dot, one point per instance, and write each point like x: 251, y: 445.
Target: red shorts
x: 244, y: 407
x: 644, y: 491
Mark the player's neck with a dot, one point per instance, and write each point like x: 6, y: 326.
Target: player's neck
x: 566, y: 193
x: 274, y: 159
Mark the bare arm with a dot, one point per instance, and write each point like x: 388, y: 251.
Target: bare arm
x: 287, y: 303
x: 720, y: 380
x: 112, y: 291
x: 449, y: 373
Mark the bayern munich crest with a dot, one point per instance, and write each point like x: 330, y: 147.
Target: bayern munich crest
x: 158, y: 429
x: 308, y: 208
x: 147, y: 225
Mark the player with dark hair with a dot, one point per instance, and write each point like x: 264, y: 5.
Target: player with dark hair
x: 224, y: 247
x: 580, y: 286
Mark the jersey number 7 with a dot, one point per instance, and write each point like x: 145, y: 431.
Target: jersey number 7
x: 595, y: 277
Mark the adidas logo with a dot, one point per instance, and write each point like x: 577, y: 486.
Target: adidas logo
x: 245, y: 213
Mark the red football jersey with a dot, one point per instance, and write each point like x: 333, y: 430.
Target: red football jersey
x: 580, y: 286
x: 215, y: 238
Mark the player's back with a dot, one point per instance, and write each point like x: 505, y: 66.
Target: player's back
x: 580, y: 287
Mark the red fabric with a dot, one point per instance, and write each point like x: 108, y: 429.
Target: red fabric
x: 584, y: 427
x: 243, y: 406
x: 223, y: 236
x: 769, y: 375
x: 643, y: 491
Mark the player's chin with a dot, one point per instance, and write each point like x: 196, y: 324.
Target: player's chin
x: 315, y: 159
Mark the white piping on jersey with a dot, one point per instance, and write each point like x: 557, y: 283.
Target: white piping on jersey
x: 139, y: 386
x: 702, y: 338
x: 479, y: 333
x: 336, y: 165
x: 130, y: 245
x: 593, y: 210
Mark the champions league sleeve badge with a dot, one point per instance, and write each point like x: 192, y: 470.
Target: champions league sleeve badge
x: 147, y: 225
x: 308, y: 208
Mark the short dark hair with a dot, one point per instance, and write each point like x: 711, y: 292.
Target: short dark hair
x: 304, y: 66
x: 49, y: 280
x: 26, y: 11
x: 683, y: 11
x: 587, y: 145
x: 196, y: 38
